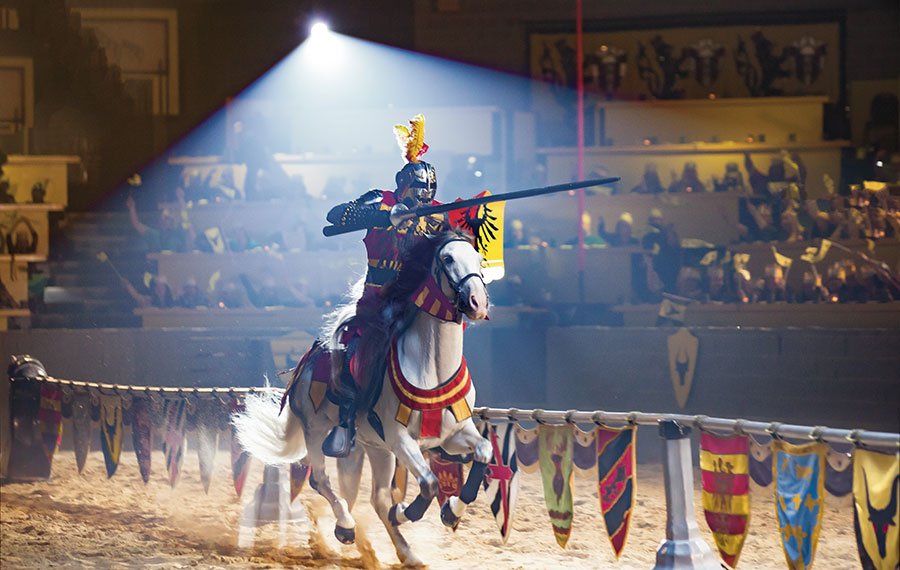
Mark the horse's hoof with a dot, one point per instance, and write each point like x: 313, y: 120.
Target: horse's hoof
x: 345, y: 535
x: 449, y: 519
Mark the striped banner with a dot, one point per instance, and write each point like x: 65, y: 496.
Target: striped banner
x: 726, y: 492
x: 616, y: 476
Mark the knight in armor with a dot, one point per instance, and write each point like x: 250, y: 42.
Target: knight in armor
x: 388, y: 237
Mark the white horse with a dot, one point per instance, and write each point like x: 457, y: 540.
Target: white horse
x: 425, y: 401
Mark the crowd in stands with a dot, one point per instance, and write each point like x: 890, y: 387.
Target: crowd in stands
x: 774, y: 207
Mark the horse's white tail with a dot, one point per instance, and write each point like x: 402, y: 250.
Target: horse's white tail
x: 273, y: 438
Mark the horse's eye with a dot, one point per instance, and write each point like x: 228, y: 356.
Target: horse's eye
x: 448, y: 260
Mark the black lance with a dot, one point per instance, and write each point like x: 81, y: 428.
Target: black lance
x: 463, y: 204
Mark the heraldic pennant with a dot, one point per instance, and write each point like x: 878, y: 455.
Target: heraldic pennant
x: 726, y: 492
x: 876, y: 486
x: 449, y: 475
x: 501, y: 480
x: 142, y: 435
x: 584, y: 453
x: 50, y: 420
x: 207, y: 439
x: 111, y: 431
x: 240, y: 459
x: 527, y: 449
x: 683, y: 347
x: 760, y: 458
x: 799, y: 473
x: 173, y: 444
x: 555, y: 458
x: 616, y: 475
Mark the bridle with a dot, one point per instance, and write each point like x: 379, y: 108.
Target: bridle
x: 442, y: 272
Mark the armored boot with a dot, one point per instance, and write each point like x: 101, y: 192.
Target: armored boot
x: 341, y: 438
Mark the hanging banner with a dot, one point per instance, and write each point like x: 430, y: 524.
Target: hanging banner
x: 838, y: 471
x: 111, y: 431
x: 485, y: 223
x: 299, y: 475
x: 240, y: 459
x: 501, y: 479
x: 616, y: 474
x: 876, y: 513
x: 174, y: 442
x: 799, y: 473
x: 142, y: 435
x: 527, y: 449
x: 555, y: 457
x: 760, y: 458
x: 450, y: 477
x: 207, y: 418
x: 81, y: 427
x: 50, y: 420
x: 726, y: 492
x: 584, y: 452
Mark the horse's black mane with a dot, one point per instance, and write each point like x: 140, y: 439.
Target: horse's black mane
x: 415, y: 265
x: 395, y: 308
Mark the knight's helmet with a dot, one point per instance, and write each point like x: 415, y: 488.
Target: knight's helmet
x: 417, y: 180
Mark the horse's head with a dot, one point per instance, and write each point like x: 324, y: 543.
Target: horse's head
x: 457, y: 268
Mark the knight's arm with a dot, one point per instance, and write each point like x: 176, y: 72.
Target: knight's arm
x: 364, y: 211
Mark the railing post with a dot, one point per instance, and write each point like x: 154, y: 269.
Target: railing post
x: 683, y: 548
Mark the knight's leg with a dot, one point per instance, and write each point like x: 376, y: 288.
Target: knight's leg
x: 382, y: 463
x: 408, y: 453
x: 467, y: 440
x: 342, y: 437
x: 349, y: 472
x: 345, y: 526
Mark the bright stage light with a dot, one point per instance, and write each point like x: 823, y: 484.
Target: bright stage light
x: 318, y: 29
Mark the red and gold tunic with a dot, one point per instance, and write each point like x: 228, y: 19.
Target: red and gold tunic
x: 385, y: 247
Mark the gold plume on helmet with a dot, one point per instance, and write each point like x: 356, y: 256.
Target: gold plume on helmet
x: 412, y: 140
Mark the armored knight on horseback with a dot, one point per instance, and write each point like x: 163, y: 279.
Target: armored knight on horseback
x: 387, y: 238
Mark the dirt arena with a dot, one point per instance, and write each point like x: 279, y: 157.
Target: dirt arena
x: 88, y: 521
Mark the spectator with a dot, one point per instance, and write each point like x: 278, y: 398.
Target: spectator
x: 170, y: 235
x: 191, y: 297
x: 650, y: 182
x: 688, y: 284
x: 622, y: 236
x: 774, y: 285
x: 662, y: 241
x: 6, y: 195
x: 157, y: 293
x: 812, y: 290
x: 516, y: 235
x: 715, y: 286
x: 777, y: 178
x: 733, y: 181
x: 689, y: 182
x: 590, y: 238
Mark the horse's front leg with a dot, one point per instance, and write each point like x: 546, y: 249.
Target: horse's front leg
x: 382, y: 462
x: 408, y: 453
x: 467, y: 440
